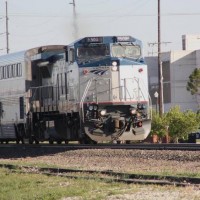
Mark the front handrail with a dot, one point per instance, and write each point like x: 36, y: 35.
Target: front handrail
x: 83, y: 97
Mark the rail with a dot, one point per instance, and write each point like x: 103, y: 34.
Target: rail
x: 136, y: 146
x: 106, y: 175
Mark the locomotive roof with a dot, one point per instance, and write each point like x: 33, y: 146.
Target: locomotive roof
x: 108, y: 39
x: 22, y: 55
x: 12, y: 58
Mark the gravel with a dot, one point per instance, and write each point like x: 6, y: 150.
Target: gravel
x: 151, y: 161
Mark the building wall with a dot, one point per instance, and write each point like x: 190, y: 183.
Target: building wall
x: 191, y: 42
x: 198, y: 58
x: 177, y: 67
x: 182, y: 63
x: 152, y: 63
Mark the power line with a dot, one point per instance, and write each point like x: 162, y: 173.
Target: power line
x: 152, y: 44
x: 100, y: 16
x: 156, y: 43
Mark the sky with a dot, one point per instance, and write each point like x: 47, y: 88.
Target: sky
x: 48, y: 22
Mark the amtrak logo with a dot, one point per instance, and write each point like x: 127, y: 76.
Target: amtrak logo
x: 99, y: 72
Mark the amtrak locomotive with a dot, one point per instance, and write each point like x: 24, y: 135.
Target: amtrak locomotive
x: 93, y: 90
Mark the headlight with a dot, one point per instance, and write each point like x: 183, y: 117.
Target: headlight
x: 90, y: 108
x: 93, y: 107
x: 114, y: 63
x: 114, y: 68
x: 103, y: 112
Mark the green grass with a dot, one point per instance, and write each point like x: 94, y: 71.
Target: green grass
x: 17, y: 186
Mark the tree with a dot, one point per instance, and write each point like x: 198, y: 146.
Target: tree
x: 158, y: 125
x: 181, y: 123
x: 193, y: 85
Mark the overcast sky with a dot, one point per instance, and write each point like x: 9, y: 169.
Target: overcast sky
x: 43, y: 22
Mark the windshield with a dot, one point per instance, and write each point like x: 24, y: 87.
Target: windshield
x: 92, y: 52
x: 126, y: 51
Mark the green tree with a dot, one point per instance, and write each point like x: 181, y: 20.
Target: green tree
x: 158, y: 125
x: 193, y: 85
x: 181, y: 123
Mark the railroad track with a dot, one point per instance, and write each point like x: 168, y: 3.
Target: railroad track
x: 146, y: 146
x: 107, y: 176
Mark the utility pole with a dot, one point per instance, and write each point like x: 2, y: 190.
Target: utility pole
x: 160, y: 74
x: 7, y: 33
x: 73, y: 3
x: 75, y: 20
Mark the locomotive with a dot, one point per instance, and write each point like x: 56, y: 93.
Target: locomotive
x: 92, y: 90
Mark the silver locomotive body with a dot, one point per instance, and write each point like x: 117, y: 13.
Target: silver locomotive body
x: 95, y: 89
x: 115, y: 106
x: 114, y: 99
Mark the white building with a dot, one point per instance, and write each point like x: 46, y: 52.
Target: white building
x: 191, y: 42
x: 177, y: 67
